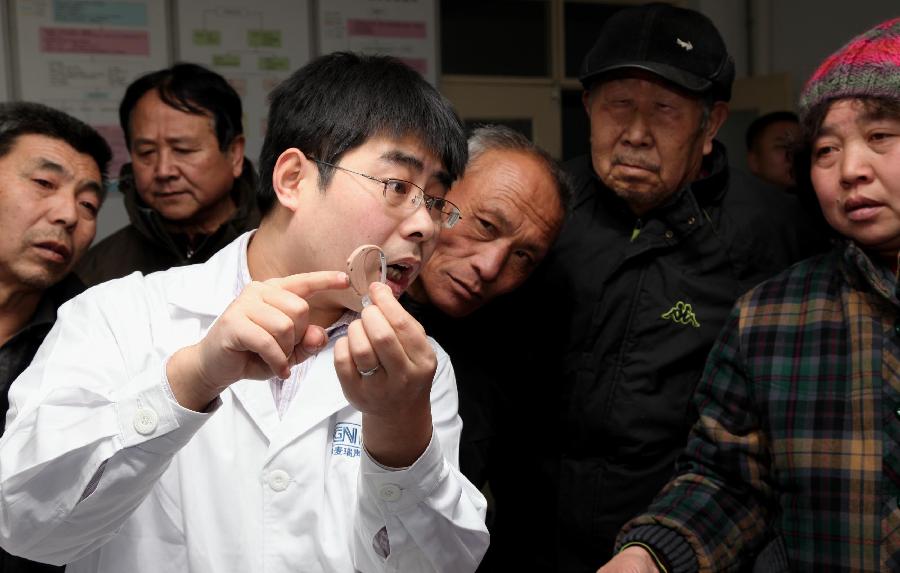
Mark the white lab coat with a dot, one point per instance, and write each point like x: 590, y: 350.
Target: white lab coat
x: 234, y: 490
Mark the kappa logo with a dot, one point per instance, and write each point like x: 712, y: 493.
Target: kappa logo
x: 686, y: 45
x: 682, y: 313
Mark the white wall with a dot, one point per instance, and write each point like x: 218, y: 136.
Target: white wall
x: 795, y: 36
x: 790, y: 36
x: 730, y: 17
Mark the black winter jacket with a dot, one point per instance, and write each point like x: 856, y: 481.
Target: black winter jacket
x: 606, y: 344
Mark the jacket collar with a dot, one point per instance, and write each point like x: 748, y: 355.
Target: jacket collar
x: 222, y: 272
x: 150, y: 225
x: 861, y: 270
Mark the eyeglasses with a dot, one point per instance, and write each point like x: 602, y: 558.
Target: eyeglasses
x: 408, y: 196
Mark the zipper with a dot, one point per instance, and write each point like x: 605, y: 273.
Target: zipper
x: 638, y: 224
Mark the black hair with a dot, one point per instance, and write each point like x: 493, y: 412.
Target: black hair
x: 754, y: 131
x: 336, y: 102
x: 489, y: 137
x: 191, y: 89
x: 27, y: 118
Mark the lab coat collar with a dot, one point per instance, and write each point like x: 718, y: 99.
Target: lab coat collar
x: 320, y: 394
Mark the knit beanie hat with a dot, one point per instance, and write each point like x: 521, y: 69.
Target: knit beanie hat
x: 868, y: 66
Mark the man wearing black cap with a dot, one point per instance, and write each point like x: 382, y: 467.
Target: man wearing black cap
x: 661, y: 239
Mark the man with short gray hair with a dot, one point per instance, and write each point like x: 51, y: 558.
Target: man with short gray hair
x: 513, y: 197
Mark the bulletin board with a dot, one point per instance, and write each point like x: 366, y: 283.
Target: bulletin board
x: 80, y: 55
x: 4, y: 55
x: 404, y: 29
x: 254, y: 45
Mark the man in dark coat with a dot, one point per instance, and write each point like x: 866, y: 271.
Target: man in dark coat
x: 188, y: 190
x: 51, y: 188
x: 605, y: 348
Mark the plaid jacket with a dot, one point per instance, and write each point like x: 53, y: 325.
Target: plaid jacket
x: 799, y: 430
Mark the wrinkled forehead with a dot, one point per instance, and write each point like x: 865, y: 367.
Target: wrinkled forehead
x: 514, y: 185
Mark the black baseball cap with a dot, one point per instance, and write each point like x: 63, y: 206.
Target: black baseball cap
x: 681, y: 46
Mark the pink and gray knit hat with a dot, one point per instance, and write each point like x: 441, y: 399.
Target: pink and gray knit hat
x: 868, y: 66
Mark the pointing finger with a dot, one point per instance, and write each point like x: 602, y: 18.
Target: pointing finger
x: 304, y: 284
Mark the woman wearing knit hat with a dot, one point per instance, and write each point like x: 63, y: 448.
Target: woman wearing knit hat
x: 795, y: 461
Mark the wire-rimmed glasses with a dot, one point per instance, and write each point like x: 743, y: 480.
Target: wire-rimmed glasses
x: 405, y: 194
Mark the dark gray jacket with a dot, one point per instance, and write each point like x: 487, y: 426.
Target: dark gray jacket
x: 146, y: 246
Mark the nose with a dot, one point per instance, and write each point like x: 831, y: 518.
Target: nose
x: 637, y: 131
x: 489, y: 261
x: 855, y: 166
x: 165, y: 165
x: 419, y: 226
x: 64, y: 210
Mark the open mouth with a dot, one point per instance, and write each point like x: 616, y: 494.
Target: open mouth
x: 399, y: 276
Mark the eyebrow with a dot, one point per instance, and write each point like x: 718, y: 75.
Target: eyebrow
x: 401, y: 158
x: 503, y: 222
x: 876, y: 115
x: 43, y: 163
x: 499, y: 216
x: 824, y: 130
x: 865, y: 117
x: 170, y: 140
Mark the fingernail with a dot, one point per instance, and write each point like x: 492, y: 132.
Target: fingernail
x: 314, y: 348
x: 344, y: 277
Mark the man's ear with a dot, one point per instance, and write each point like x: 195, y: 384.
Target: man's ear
x: 293, y: 172
x: 717, y: 116
x: 236, y: 155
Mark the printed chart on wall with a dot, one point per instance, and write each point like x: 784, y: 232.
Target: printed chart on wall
x: 254, y: 45
x: 80, y: 55
x: 4, y: 65
x: 400, y: 28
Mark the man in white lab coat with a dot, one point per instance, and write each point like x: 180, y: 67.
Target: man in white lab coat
x: 236, y: 415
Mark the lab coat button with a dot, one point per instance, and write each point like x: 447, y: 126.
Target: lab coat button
x: 389, y: 492
x: 145, y: 421
x: 279, y: 480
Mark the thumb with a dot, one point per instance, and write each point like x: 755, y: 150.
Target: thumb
x: 314, y: 339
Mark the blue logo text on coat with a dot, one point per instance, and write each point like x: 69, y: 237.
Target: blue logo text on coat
x: 346, y: 440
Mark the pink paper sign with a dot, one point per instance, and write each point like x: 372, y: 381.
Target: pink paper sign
x: 386, y: 29
x: 95, y: 41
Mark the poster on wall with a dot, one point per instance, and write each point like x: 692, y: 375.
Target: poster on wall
x: 404, y: 29
x: 254, y: 45
x: 80, y: 55
x: 4, y: 54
